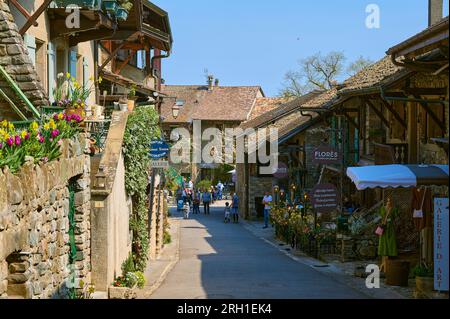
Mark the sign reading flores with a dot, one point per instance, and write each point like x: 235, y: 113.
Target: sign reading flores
x: 326, y: 155
x: 325, y: 198
x: 159, y: 149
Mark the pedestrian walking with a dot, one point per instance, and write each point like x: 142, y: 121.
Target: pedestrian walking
x: 186, y: 210
x: 196, y: 202
x: 235, y: 208
x: 227, y: 213
x: 267, y: 202
x: 206, y: 199
x: 220, y: 188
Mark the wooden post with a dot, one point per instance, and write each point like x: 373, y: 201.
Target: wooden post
x: 34, y: 17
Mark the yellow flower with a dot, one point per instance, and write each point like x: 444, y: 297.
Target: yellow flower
x: 82, y: 104
x: 52, y: 124
x: 11, y: 126
x: 47, y: 126
x: 68, y: 75
x: 60, y: 116
x: 76, y: 85
x: 91, y: 78
x: 100, y: 79
x: 5, y: 123
x: 23, y: 134
x: 34, y: 126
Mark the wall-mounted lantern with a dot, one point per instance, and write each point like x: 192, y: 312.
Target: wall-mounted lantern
x: 100, y: 178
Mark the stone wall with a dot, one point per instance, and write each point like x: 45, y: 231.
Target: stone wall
x: 257, y: 188
x: 34, y: 225
x: 111, y: 210
x: 15, y: 60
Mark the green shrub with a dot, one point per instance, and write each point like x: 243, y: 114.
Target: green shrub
x: 142, y: 128
x: 167, y: 238
x: 140, y: 279
x: 204, y: 185
x: 423, y: 271
x: 128, y: 265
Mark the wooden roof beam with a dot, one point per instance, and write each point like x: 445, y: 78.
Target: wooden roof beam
x: 34, y: 17
x: 23, y: 11
x: 395, y: 114
x: 377, y: 112
x: 430, y: 112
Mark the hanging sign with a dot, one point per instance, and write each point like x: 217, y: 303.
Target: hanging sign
x: 327, y: 155
x: 282, y: 171
x: 441, y: 244
x: 325, y: 198
x: 159, y: 149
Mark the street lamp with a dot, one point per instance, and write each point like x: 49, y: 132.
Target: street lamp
x: 100, y: 178
x: 175, y: 111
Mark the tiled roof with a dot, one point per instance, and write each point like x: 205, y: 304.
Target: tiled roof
x: 374, y: 75
x: 266, y: 104
x: 283, y: 110
x: 220, y: 104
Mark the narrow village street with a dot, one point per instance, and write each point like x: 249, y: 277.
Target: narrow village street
x: 227, y: 261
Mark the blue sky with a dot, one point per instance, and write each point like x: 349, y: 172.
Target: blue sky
x: 255, y: 42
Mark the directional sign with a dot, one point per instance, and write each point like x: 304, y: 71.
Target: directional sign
x: 159, y: 149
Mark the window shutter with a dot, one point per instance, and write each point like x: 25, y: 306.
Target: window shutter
x: 51, y: 70
x: 30, y: 43
x: 73, y: 63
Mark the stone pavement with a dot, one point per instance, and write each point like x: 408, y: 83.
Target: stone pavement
x: 229, y: 261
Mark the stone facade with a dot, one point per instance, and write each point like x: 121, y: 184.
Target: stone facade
x: 35, y: 207
x: 257, y: 188
x: 15, y: 60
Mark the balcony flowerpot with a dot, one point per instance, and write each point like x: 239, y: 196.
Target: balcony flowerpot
x: 110, y: 6
x: 85, y: 4
x: 122, y: 293
x: 123, y: 107
x: 121, y: 14
x: 425, y: 284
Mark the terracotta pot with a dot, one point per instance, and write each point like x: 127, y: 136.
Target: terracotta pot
x: 131, y: 104
x: 425, y: 284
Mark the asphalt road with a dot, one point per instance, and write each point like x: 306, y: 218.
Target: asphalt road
x: 227, y: 261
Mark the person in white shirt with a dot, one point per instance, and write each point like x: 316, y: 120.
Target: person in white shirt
x: 220, y: 188
x: 191, y: 185
x: 267, y: 201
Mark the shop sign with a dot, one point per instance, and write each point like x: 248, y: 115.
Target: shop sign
x: 441, y: 244
x: 282, y: 171
x: 327, y: 155
x: 325, y: 198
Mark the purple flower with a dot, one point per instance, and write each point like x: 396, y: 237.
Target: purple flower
x: 41, y: 138
x: 1, y: 145
x: 27, y: 136
x: 55, y: 133
x: 45, y: 159
x: 18, y: 140
x: 10, y: 141
x: 69, y: 118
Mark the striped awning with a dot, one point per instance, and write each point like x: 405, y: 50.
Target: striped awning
x: 396, y: 176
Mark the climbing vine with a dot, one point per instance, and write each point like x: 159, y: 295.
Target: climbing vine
x: 142, y: 128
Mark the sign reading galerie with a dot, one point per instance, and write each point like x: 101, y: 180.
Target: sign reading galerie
x: 325, y: 198
x: 441, y: 244
x: 327, y: 155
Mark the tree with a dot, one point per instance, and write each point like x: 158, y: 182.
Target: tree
x: 358, y: 65
x: 319, y: 72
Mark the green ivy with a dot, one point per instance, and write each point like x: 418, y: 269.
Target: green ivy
x: 142, y: 128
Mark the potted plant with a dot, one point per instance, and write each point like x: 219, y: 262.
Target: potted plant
x: 84, y: 4
x: 131, y: 98
x: 424, y: 278
x: 125, y: 7
x: 123, y: 103
x: 110, y: 6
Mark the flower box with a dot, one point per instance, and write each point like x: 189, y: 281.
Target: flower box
x: 110, y: 6
x: 122, y: 293
x: 121, y: 14
x: 85, y: 4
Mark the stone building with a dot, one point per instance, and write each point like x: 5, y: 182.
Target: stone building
x: 213, y: 106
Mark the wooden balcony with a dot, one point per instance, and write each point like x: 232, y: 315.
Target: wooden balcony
x: 386, y: 154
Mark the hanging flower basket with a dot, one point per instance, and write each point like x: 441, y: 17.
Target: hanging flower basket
x: 84, y: 4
